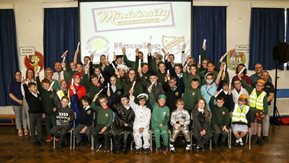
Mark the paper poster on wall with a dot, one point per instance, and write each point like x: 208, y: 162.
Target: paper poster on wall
x: 27, y: 50
x: 35, y: 61
x: 237, y: 56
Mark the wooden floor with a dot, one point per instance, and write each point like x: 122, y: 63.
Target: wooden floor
x: 19, y: 149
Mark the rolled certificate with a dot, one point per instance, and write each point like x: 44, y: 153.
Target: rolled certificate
x: 222, y: 58
x: 168, y: 73
x: 101, y: 76
x: 204, y: 44
x: 200, y: 59
x: 49, y: 89
x: 108, y: 85
x: 219, y: 92
x: 113, y: 67
x: 99, y: 91
x: 63, y: 55
x: 242, y: 70
x: 139, y: 63
x: 152, y: 84
x: 63, y: 59
x: 38, y: 70
x: 78, y: 46
x: 133, y: 84
x: 186, y: 64
x: 230, y: 84
x: 225, y: 66
x: 72, y: 82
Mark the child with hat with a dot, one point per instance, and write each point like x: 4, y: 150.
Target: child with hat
x: 141, y: 123
x: 160, y: 119
x: 241, y: 119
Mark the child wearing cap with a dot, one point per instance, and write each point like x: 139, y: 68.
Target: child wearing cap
x: 180, y: 120
x: 141, y: 123
x: 80, y: 89
x: 258, y: 105
x: 241, y: 119
x: 159, y: 120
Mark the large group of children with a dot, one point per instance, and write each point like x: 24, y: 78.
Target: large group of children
x: 133, y: 100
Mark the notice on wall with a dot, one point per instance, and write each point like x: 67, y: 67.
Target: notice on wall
x: 237, y: 56
x: 27, y: 50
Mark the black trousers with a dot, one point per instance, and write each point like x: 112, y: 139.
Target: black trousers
x: 218, y: 130
x: 50, y: 122
x: 98, y: 136
x: 78, y: 129
x: 35, y: 122
x: 122, y: 141
x: 202, y: 140
x: 60, y: 132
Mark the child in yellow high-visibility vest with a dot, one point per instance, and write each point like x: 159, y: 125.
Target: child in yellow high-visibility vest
x: 241, y: 119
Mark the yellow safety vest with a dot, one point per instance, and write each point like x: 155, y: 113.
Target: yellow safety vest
x: 239, y: 115
x: 257, y: 101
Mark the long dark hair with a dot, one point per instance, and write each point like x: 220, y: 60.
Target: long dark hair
x: 241, y: 64
x: 206, y: 111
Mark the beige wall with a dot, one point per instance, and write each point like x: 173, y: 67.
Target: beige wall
x: 29, y: 21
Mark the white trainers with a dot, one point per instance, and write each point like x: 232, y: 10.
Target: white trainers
x: 188, y: 147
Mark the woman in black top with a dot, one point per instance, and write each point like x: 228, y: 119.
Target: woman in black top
x: 16, y: 97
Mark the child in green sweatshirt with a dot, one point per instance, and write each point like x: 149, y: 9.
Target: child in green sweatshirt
x: 159, y: 120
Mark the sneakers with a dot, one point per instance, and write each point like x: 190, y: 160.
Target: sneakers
x: 237, y: 142
x: 259, y: 141
x: 188, y: 147
x: 266, y: 139
x: 138, y: 150
x: 49, y: 138
x: 147, y: 150
x: 172, y: 148
x: 98, y: 148
x: 165, y: 149
x: 241, y: 142
x: 158, y: 150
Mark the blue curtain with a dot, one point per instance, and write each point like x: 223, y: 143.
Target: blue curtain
x: 267, y: 30
x: 8, y: 53
x: 60, y: 34
x: 209, y: 23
